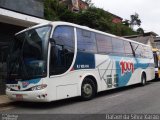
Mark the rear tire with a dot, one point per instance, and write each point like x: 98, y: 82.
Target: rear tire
x: 143, y: 79
x: 88, y: 89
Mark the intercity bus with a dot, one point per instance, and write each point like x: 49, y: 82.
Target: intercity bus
x: 61, y: 60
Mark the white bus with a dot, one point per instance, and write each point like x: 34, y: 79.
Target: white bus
x: 62, y: 60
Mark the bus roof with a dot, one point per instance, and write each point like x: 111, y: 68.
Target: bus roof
x: 56, y: 23
x: 32, y: 27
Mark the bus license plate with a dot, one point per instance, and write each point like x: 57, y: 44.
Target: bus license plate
x: 19, y: 97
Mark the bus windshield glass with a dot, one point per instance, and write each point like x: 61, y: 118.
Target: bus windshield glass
x: 28, y: 55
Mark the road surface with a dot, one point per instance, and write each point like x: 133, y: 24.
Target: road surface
x: 130, y: 100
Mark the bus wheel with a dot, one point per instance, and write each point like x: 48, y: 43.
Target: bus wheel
x: 88, y: 89
x: 143, y: 79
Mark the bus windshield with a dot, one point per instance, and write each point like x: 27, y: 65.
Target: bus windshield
x: 28, y: 55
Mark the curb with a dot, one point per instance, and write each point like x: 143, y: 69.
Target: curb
x: 5, y: 101
x: 6, y: 104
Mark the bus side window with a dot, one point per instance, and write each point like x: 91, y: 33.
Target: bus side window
x: 86, y: 41
x: 118, y: 46
x: 138, y: 49
x: 128, y: 49
x: 104, y: 43
x: 62, y: 51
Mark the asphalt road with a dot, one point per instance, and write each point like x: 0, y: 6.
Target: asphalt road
x: 129, y: 100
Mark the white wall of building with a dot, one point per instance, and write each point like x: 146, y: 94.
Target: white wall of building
x: 19, y: 19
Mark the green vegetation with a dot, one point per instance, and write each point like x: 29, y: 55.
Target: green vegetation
x: 93, y: 17
x: 135, y: 20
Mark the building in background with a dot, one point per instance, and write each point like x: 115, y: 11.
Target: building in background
x: 116, y: 19
x: 75, y: 5
x: 83, y: 5
x: 146, y: 38
x: 16, y: 15
x: 157, y: 42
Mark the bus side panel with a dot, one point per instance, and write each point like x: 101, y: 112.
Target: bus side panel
x: 125, y: 69
x: 142, y: 65
x: 119, y: 71
x: 109, y: 71
x: 106, y: 69
x: 148, y: 67
x: 63, y: 86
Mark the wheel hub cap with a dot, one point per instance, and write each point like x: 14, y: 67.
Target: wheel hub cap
x: 87, y: 89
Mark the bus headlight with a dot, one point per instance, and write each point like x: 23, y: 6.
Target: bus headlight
x: 39, y: 87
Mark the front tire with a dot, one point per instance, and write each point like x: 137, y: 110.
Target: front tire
x: 88, y: 89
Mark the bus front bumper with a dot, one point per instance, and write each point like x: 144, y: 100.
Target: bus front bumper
x: 31, y: 96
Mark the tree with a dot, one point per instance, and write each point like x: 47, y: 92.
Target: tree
x: 140, y: 31
x: 126, y: 23
x: 93, y: 17
x: 69, y: 16
x: 53, y: 9
x: 135, y: 20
